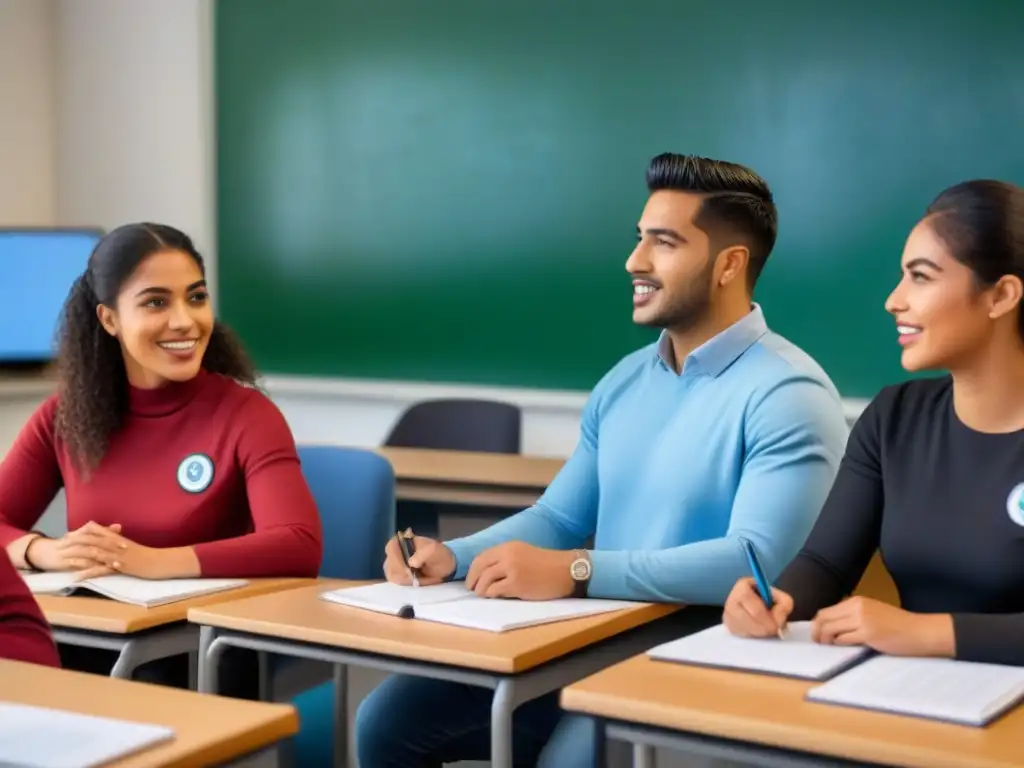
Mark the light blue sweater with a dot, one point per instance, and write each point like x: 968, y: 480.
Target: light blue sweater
x: 671, y: 469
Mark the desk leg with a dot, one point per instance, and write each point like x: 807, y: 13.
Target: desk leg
x: 502, y: 706
x: 126, y: 662
x: 209, y: 660
x: 644, y: 756
x: 340, y: 716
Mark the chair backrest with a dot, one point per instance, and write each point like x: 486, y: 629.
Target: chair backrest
x: 354, y: 490
x: 459, y: 425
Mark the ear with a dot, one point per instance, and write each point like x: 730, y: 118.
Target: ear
x: 1005, y: 295
x: 731, y: 264
x: 107, y: 318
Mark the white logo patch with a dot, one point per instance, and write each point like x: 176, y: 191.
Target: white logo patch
x: 195, y: 473
x: 1014, y: 504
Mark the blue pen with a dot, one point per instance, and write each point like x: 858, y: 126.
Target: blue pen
x: 759, y: 578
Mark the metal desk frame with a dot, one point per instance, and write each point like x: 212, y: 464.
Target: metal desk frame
x: 510, y: 690
x: 646, y: 738
x: 136, y: 648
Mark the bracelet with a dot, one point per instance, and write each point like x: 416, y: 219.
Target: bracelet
x: 28, y: 546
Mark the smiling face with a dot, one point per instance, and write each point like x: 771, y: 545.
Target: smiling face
x: 162, y: 318
x: 943, y: 317
x: 671, y: 266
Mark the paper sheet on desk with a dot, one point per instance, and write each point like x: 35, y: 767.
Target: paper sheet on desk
x: 964, y: 692
x: 454, y: 604
x: 39, y: 737
x: 390, y: 598
x: 795, y: 656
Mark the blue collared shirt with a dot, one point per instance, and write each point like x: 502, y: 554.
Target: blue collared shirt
x: 672, y: 469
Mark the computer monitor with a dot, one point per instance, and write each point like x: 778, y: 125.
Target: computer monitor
x: 37, y: 267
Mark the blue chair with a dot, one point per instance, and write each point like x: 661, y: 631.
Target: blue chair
x: 354, y: 490
x: 355, y: 495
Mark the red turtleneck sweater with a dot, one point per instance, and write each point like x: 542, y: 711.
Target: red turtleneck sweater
x: 24, y: 633
x: 206, y: 463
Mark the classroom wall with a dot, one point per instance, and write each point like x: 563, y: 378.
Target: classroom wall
x: 112, y: 123
x: 27, y: 108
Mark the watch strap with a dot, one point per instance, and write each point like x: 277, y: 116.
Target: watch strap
x: 580, y: 587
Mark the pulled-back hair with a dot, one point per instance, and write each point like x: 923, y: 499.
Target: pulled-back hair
x: 982, y: 223
x: 93, y: 382
x: 737, y: 206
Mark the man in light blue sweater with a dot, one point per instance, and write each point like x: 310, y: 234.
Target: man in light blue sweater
x: 720, y: 430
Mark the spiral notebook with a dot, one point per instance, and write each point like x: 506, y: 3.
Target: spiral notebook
x: 960, y: 692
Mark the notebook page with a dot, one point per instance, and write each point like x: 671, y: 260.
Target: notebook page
x: 795, y: 656
x: 963, y: 692
x: 130, y: 589
x: 38, y: 737
x: 390, y: 598
x: 498, y: 615
x: 53, y: 583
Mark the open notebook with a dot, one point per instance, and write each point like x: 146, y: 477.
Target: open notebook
x: 453, y: 603
x: 962, y: 692
x: 128, y: 589
x: 795, y: 656
x: 38, y: 737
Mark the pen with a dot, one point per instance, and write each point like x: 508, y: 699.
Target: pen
x: 759, y: 578
x: 408, y: 549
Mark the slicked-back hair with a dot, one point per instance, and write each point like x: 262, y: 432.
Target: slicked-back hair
x: 737, y: 206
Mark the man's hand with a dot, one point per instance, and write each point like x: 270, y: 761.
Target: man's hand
x: 886, y: 628
x: 434, y: 561
x: 519, y: 570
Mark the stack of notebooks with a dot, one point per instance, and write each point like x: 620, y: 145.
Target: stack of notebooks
x: 960, y: 692
x: 456, y: 605
x: 128, y: 589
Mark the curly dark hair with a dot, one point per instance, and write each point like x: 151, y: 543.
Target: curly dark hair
x: 93, y: 382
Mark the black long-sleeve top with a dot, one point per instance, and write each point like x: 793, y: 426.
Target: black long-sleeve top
x: 943, y: 503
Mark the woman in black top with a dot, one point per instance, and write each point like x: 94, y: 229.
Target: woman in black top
x: 933, y: 474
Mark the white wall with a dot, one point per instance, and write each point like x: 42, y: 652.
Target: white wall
x: 132, y: 85
x: 27, y: 103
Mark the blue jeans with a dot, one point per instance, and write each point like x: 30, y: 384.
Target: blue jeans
x: 415, y: 722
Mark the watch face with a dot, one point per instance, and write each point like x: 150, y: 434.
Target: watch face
x: 581, y: 570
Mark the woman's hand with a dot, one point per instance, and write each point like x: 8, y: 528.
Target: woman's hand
x: 98, y: 550
x: 884, y: 627
x: 85, y: 548
x: 745, y: 614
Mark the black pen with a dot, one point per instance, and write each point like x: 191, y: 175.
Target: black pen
x: 408, y: 549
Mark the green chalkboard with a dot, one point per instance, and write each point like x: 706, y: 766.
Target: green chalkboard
x: 448, y: 190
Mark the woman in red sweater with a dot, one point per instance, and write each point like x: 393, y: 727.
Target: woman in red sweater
x: 24, y: 633
x: 173, y: 463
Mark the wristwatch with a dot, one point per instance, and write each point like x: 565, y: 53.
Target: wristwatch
x: 580, y: 570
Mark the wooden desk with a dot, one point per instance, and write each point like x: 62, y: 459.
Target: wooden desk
x: 140, y: 634
x: 209, y: 730
x: 463, y: 477
x: 761, y: 720
x: 519, y: 666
